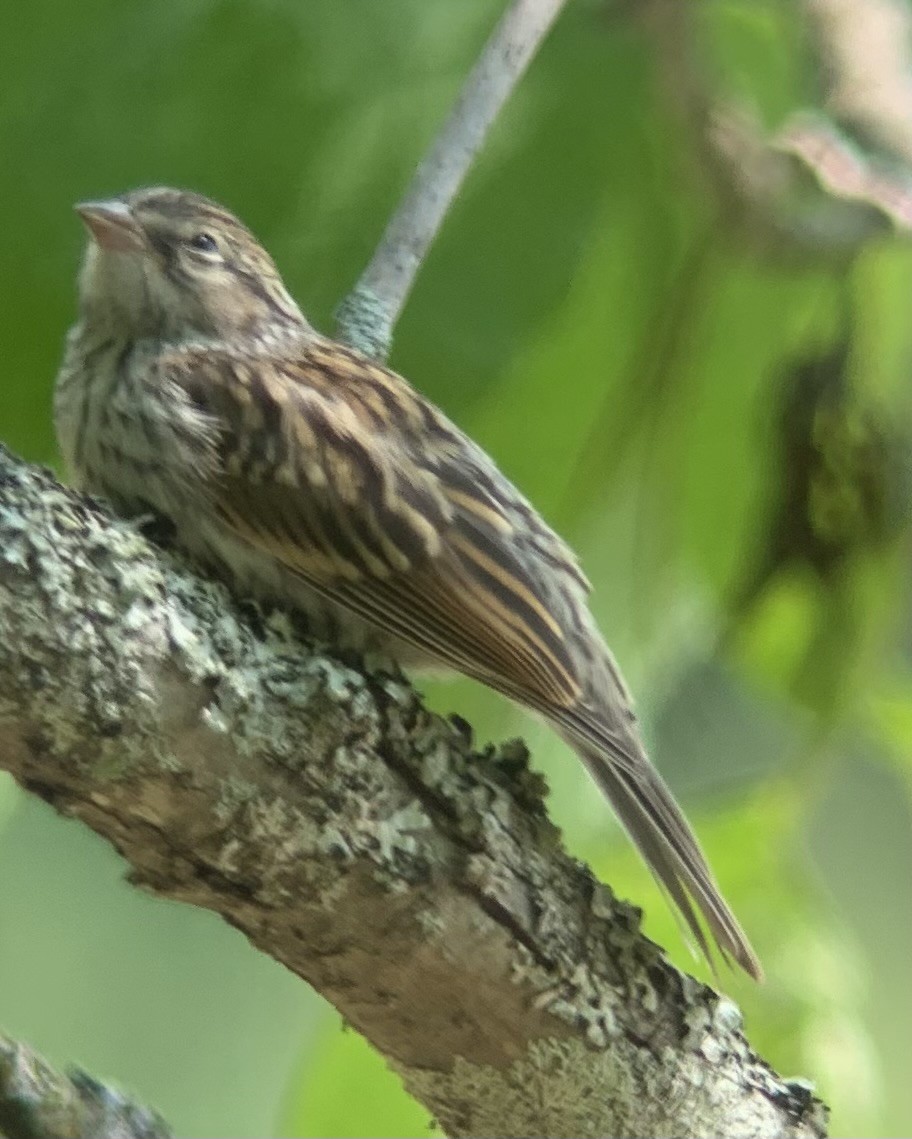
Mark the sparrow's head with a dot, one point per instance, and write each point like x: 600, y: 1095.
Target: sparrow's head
x: 173, y: 264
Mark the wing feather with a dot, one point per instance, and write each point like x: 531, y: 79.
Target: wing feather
x: 380, y: 504
x: 348, y: 478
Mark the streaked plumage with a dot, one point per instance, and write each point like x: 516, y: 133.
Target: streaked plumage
x: 192, y: 384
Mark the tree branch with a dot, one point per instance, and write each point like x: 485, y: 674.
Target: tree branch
x: 417, y: 883
x: 38, y: 1102
x: 367, y: 316
x: 864, y: 48
x: 807, y: 194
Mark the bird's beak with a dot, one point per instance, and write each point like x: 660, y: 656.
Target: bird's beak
x: 112, y: 225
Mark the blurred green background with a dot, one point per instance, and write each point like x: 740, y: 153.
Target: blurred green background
x: 721, y: 434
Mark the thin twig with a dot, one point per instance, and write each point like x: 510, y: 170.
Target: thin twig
x: 367, y: 316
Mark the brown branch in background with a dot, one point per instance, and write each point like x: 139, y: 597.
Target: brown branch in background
x: 807, y: 193
x: 367, y: 316
x: 38, y: 1102
x: 865, y: 53
x: 361, y: 841
x: 821, y: 187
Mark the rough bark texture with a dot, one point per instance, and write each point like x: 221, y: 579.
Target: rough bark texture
x: 414, y: 881
x: 38, y: 1102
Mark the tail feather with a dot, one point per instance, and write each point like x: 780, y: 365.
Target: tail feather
x: 663, y: 836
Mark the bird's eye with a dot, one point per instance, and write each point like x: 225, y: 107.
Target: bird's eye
x: 203, y: 243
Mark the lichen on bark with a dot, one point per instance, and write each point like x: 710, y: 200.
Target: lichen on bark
x: 413, y: 878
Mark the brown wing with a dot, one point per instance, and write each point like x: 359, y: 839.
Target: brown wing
x: 344, y: 474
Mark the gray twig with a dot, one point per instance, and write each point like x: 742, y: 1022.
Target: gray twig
x: 367, y: 316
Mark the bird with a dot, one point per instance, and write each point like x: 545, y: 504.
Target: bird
x: 302, y: 471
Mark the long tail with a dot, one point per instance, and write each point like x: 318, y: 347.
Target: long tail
x: 663, y: 836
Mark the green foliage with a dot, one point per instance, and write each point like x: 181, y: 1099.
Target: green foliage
x: 588, y: 319
x: 344, y: 1090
